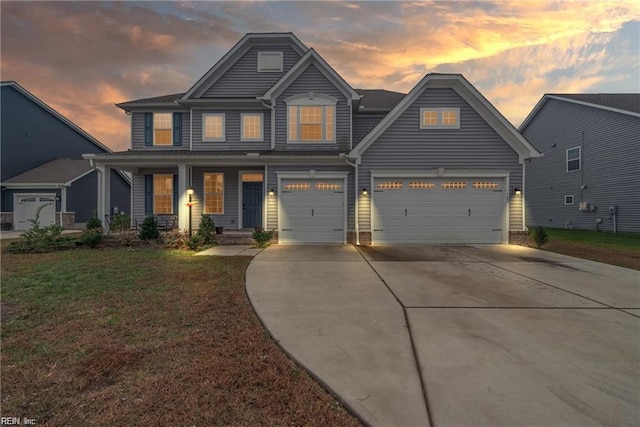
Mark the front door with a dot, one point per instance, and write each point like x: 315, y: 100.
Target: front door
x: 251, y: 204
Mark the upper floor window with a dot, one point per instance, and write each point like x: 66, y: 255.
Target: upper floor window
x: 251, y: 127
x: 439, y: 118
x: 214, y: 193
x: 311, y: 118
x: 163, y: 129
x: 213, y: 127
x: 270, y: 62
x: 573, y: 159
x: 163, y: 194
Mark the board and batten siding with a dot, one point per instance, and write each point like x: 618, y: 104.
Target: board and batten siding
x: 232, y: 131
x: 312, y: 80
x: 363, y: 124
x: 405, y: 146
x: 243, y: 79
x: 137, y: 131
x: 610, y: 158
x: 272, y: 182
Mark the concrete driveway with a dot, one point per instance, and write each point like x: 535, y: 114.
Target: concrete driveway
x: 458, y: 335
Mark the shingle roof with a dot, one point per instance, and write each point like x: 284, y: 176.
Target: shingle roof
x: 155, y: 100
x: 621, y: 101
x: 379, y: 99
x: 59, y: 171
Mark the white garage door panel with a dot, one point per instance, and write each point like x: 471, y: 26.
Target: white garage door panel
x: 26, y: 208
x: 312, y: 211
x: 438, y: 210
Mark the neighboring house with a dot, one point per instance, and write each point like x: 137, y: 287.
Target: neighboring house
x: 589, y: 175
x: 42, y: 165
x: 273, y: 137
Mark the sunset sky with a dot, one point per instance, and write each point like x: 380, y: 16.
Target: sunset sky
x: 81, y: 58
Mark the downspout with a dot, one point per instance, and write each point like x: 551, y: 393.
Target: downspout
x: 357, y: 202
x: 524, y: 196
x: 273, y: 121
x: 190, y: 131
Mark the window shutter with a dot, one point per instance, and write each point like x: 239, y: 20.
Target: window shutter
x: 148, y: 128
x: 175, y: 194
x: 148, y: 195
x: 177, y: 128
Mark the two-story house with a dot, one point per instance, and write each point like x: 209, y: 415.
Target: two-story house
x: 272, y: 136
x: 589, y: 177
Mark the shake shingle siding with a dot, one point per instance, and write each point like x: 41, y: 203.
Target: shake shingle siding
x: 312, y: 80
x: 610, y: 157
x: 243, y: 80
x: 405, y: 146
x: 138, y: 132
x: 232, y: 131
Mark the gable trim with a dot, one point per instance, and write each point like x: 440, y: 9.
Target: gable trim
x: 232, y: 56
x: 547, y: 97
x: 475, y: 100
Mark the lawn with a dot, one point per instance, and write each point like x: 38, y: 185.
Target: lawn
x: 131, y: 337
x: 622, y: 249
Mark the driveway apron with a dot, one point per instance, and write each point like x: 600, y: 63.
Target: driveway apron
x: 458, y: 335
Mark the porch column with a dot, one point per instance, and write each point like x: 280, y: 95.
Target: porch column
x: 104, y: 192
x: 183, y: 183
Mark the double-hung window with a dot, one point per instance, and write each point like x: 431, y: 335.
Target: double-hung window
x: 214, y: 193
x: 573, y: 159
x: 162, y: 129
x: 311, y: 119
x: 213, y: 127
x: 439, y: 118
x: 163, y: 194
x: 252, y: 127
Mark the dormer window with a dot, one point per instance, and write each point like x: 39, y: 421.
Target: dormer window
x: 311, y: 118
x: 270, y: 62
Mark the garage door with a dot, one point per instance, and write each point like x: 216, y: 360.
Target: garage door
x: 312, y: 211
x: 26, y: 207
x: 438, y: 210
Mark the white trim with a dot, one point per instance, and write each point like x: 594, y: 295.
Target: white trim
x: 242, y: 138
x: 153, y: 128
x: 579, y: 159
x: 311, y: 98
x: 439, y: 111
x: 153, y: 195
x: 262, y: 54
x: 298, y: 104
x: 573, y: 200
x: 204, y: 193
x: 241, y: 193
x: 204, y: 127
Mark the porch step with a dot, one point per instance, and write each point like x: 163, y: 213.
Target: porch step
x: 235, y: 237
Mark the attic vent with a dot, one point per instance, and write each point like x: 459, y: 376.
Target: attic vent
x: 269, y: 62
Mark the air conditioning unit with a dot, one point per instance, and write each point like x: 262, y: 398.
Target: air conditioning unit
x: 584, y: 207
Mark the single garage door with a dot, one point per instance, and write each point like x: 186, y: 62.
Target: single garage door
x: 438, y: 210
x: 26, y: 207
x: 312, y: 211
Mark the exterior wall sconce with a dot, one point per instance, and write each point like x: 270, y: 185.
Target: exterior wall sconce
x: 272, y: 192
x: 364, y: 191
x: 517, y: 191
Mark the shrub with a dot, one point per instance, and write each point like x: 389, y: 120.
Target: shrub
x: 207, y: 230
x: 94, y: 223
x: 93, y: 237
x: 539, y: 236
x: 126, y: 238
x: 263, y: 237
x: 149, y: 229
x: 120, y: 223
x: 176, y: 239
x: 194, y: 242
x: 40, y: 239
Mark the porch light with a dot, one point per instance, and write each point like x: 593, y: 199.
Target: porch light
x: 364, y: 191
x: 271, y: 192
x: 190, y: 191
x: 190, y: 203
x: 517, y: 191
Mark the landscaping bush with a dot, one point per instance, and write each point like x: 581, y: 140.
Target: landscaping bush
x: 120, y: 223
x: 207, y: 230
x: 40, y: 239
x: 93, y: 237
x: 194, y: 242
x: 539, y: 236
x: 262, y: 238
x: 149, y: 229
x: 94, y: 223
x: 176, y: 239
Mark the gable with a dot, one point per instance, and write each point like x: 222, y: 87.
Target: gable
x: 243, y: 78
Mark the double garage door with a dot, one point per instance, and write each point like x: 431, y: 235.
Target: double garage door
x: 312, y: 211
x: 438, y: 210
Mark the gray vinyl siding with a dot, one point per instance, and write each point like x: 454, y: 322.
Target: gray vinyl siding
x: 312, y: 80
x: 138, y: 211
x: 137, y: 131
x: 405, y: 146
x: 232, y: 131
x: 363, y: 124
x: 272, y: 182
x: 610, y: 156
x: 243, y: 78
x: 229, y: 219
x: 82, y: 197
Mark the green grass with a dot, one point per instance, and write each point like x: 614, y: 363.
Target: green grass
x: 603, y: 239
